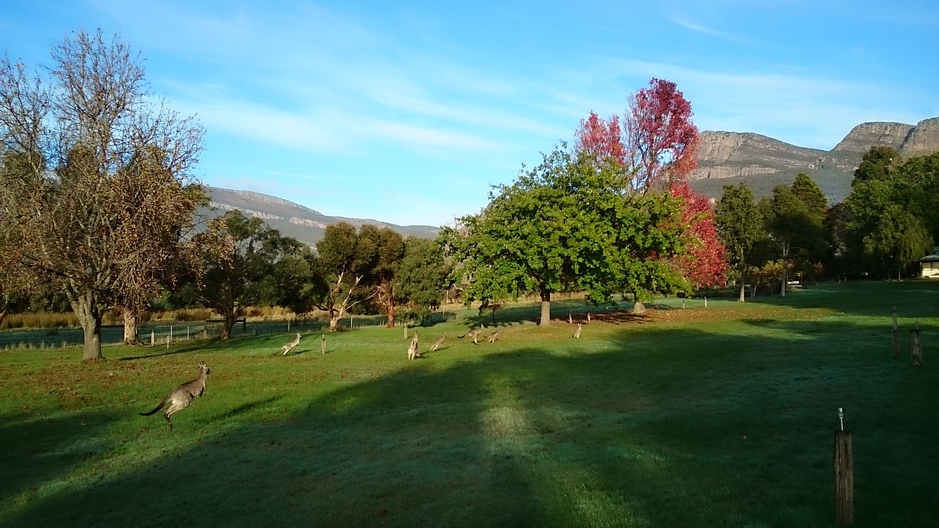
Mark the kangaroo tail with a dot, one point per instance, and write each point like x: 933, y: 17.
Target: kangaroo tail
x: 155, y: 409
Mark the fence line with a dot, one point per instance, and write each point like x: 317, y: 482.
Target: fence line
x: 165, y: 334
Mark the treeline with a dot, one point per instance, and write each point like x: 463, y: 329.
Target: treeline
x: 888, y: 222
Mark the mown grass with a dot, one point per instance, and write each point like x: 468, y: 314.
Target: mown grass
x: 717, y: 416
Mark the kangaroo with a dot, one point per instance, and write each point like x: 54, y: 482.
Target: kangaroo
x: 494, y: 337
x: 577, y: 332
x: 437, y: 343
x: 474, y: 332
x: 412, y: 350
x: 182, y: 396
x: 289, y: 346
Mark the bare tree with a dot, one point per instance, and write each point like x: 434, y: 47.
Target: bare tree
x: 96, y: 192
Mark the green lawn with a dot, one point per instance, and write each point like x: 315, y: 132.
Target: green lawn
x: 695, y: 417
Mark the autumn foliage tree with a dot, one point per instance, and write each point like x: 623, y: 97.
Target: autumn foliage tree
x: 660, y: 138
x: 656, y: 149
x: 704, y: 262
x: 95, y: 184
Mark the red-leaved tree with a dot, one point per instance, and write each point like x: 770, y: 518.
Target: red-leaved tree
x: 659, y: 137
x: 705, y: 261
x: 657, y: 147
x: 657, y: 143
x: 601, y: 139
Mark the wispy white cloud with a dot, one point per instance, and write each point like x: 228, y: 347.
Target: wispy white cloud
x: 682, y: 20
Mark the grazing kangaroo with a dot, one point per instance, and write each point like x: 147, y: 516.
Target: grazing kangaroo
x: 289, y: 346
x: 473, y: 332
x: 437, y: 343
x: 182, y: 396
x: 493, y: 337
x: 412, y: 350
x: 577, y: 332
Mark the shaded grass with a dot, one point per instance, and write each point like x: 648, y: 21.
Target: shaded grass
x: 716, y: 417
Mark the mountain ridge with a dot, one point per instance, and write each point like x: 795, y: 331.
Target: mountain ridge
x: 726, y: 158
x: 292, y: 219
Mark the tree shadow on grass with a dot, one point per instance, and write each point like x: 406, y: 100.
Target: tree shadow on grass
x: 657, y: 428
x: 912, y: 299
x: 39, y: 450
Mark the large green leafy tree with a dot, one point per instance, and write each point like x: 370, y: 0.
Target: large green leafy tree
x: 421, y: 277
x: 795, y: 229
x: 891, y: 213
x: 380, y: 251
x: 565, y: 224
x: 95, y: 185
x: 240, y: 256
x: 740, y: 227
x: 527, y: 238
x: 899, y: 238
x: 357, y: 267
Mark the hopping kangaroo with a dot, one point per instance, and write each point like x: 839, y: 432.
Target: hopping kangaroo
x: 474, y: 332
x: 182, y: 396
x: 289, y: 346
x: 437, y: 343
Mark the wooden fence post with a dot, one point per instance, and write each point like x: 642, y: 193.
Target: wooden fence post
x: 896, y: 335
x: 916, y: 348
x: 844, y: 479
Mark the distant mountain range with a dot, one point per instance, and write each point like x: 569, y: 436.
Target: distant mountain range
x: 724, y: 158
x: 292, y: 219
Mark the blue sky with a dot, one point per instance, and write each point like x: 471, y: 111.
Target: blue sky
x: 407, y: 112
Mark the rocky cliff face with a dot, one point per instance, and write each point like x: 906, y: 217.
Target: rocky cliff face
x: 923, y: 139
x: 762, y: 162
x: 733, y: 154
x: 864, y: 136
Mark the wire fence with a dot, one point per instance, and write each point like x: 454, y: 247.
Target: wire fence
x: 169, y: 333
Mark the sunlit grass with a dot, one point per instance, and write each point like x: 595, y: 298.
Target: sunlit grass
x: 689, y: 417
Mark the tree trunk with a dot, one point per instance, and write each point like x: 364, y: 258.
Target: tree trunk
x: 3, y: 314
x: 228, y: 325
x: 390, y: 322
x: 545, y: 308
x: 333, y: 322
x: 743, y: 295
x: 638, y: 307
x: 89, y: 317
x: 131, y: 326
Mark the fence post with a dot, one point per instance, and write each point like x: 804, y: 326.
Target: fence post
x: 916, y: 348
x: 896, y: 335
x: 152, y: 338
x: 844, y: 475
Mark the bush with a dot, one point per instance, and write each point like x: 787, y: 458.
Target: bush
x: 39, y: 320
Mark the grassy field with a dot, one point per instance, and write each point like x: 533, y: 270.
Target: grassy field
x: 695, y: 417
